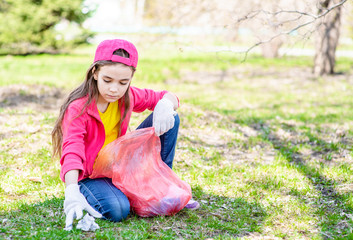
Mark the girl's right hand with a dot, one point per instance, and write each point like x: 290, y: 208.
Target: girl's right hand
x: 163, y: 116
x: 74, y: 204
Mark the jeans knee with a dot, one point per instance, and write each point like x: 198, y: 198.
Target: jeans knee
x: 118, y: 211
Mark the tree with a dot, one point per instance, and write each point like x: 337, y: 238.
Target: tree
x: 325, y: 24
x: 272, y: 22
x: 29, y: 26
x: 328, y: 32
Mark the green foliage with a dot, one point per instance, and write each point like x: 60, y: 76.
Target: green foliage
x: 28, y: 26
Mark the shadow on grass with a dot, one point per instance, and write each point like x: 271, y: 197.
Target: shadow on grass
x: 332, y: 208
x: 225, y: 216
x: 217, y: 217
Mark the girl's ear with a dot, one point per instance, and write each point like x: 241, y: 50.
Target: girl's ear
x: 95, y: 73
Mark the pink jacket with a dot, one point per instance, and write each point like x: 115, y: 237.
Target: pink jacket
x: 84, y: 136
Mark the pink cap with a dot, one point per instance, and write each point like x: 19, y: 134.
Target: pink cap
x: 106, y: 49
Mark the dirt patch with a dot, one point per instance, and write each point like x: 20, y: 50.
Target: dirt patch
x: 37, y: 96
x: 267, y: 77
x: 27, y: 116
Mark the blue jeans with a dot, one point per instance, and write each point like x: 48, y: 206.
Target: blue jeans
x: 107, y: 199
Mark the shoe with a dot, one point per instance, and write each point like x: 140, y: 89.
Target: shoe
x: 192, y: 204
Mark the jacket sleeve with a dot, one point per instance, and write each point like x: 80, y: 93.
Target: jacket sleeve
x: 146, y: 98
x: 73, y: 148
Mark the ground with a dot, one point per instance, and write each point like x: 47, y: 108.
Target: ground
x: 265, y: 162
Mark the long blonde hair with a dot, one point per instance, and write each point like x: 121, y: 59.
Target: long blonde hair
x: 88, y: 89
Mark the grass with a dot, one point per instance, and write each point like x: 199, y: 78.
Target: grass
x: 265, y: 146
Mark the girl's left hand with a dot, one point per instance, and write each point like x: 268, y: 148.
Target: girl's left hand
x: 163, y: 116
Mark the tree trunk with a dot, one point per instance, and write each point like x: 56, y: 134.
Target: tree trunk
x: 140, y: 9
x: 271, y: 49
x: 327, y: 39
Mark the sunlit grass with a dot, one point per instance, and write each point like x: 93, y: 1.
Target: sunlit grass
x: 266, y: 148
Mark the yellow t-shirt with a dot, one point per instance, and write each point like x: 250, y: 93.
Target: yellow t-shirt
x: 110, y: 119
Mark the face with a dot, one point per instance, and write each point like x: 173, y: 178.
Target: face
x: 113, y: 81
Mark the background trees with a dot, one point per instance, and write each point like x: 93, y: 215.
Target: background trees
x: 30, y: 26
x: 271, y: 23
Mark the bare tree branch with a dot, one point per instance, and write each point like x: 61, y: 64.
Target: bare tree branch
x: 253, y: 14
x: 314, y: 17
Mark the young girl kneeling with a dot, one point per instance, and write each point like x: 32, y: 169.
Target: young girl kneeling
x: 95, y: 114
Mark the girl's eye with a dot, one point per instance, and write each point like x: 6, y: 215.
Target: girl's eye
x: 107, y: 81
x: 123, y: 83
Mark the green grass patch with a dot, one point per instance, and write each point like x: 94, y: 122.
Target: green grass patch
x: 265, y: 146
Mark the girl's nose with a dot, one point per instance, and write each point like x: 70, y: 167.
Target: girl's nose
x: 114, y: 88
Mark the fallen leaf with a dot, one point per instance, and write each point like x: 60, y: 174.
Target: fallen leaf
x: 35, y: 179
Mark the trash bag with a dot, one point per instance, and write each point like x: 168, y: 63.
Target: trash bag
x: 134, y: 164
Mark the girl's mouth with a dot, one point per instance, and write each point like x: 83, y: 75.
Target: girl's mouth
x: 111, y: 96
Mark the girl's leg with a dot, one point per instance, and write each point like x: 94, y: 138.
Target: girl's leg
x: 168, y: 139
x: 103, y: 196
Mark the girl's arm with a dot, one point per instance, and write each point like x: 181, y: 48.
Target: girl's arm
x: 71, y: 177
x: 74, y: 128
x: 173, y: 99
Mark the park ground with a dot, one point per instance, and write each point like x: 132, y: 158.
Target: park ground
x: 265, y: 146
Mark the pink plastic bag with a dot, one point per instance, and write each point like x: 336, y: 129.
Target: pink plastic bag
x: 134, y: 163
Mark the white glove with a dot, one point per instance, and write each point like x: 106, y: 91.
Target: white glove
x: 74, y: 204
x: 163, y: 116
x: 87, y: 223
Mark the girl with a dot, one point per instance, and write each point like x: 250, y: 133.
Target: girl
x: 95, y: 114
